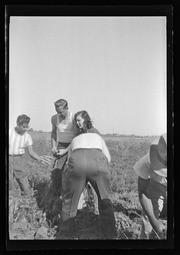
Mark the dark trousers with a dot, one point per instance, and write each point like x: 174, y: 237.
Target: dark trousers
x: 87, y: 165
x: 61, y: 160
x: 18, y: 172
x: 157, y: 194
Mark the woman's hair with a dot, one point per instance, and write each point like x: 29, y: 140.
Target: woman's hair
x: 22, y: 119
x: 61, y: 102
x: 87, y: 120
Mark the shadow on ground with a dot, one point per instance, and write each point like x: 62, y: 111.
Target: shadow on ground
x: 87, y: 222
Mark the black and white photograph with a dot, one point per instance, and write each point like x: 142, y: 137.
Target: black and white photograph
x: 89, y: 113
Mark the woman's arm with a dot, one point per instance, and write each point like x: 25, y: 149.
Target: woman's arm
x: 106, y: 151
x: 69, y: 151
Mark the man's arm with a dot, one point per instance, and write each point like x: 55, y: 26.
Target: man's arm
x: 147, y: 206
x: 61, y: 152
x: 34, y: 155
x: 53, y: 135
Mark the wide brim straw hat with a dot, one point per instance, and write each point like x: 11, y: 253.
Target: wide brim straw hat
x: 158, y: 155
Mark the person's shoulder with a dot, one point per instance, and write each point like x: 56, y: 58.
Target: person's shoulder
x: 142, y: 161
x: 142, y: 167
x: 94, y: 130
x: 28, y: 135
x: 12, y: 130
x: 28, y: 138
x: 54, y: 118
x: 71, y: 114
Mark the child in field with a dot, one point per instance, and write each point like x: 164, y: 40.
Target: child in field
x: 152, y: 188
x: 19, y: 140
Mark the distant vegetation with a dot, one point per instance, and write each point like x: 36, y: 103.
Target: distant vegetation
x: 130, y: 136
x: 106, y: 135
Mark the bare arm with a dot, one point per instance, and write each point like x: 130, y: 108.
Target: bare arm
x: 62, y: 151
x: 148, y: 209
x: 42, y: 159
x: 53, y: 135
x: 32, y: 153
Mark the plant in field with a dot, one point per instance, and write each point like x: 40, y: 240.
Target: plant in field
x: 26, y: 220
x: 127, y: 229
x: 49, y: 196
x: 37, y: 217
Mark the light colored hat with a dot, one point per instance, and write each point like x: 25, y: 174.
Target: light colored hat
x: 158, y: 155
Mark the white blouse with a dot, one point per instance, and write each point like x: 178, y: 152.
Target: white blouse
x: 89, y: 141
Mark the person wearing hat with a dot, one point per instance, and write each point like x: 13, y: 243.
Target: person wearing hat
x: 88, y: 158
x: 19, y: 140
x: 152, y: 188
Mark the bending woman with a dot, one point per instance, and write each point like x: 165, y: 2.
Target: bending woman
x: 88, y: 158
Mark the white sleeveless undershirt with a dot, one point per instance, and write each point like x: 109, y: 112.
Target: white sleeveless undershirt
x: 65, y: 131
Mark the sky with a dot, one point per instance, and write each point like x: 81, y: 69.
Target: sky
x: 112, y: 67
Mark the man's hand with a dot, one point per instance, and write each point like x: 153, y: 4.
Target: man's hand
x: 46, y: 160
x: 61, y: 152
x: 159, y: 227
x: 54, y: 150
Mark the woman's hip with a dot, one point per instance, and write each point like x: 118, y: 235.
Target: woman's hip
x: 92, y: 160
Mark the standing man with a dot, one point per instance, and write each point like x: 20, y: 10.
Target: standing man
x: 62, y: 130
x: 61, y: 136
x: 19, y: 140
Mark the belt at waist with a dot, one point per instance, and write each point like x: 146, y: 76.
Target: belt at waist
x: 78, y: 149
x: 20, y: 155
x: 63, y: 145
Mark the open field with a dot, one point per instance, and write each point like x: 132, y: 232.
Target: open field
x: 38, y: 216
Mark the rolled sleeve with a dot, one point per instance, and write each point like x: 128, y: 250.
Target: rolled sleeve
x: 142, y: 168
x: 29, y: 141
